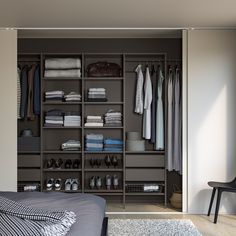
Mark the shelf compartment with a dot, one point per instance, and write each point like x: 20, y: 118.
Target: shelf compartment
x: 102, y: 78
x: 61, y: 152
x: 103, y: 103
x: 103, y: 191
x: 63, y: 127
x: 145, y: 194
x: 63, y: 191
x: 104, y: 127
x: 62, y: 103
x: 146, y: 152
x: 103, y: 152
x: 62, y: 170
x: 61, y: 78
x: 103, y: 170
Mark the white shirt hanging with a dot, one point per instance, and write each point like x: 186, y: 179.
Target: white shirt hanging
x: 139, y: 91
x: 147, y: 106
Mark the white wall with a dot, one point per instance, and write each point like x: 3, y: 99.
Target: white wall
x: 8, y: 117
x: 211, y: 135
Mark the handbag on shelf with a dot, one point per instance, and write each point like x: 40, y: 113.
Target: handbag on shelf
x: 104, y: 69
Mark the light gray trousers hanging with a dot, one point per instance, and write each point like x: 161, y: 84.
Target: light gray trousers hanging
x: 159, y: 144
x: 177, y: 155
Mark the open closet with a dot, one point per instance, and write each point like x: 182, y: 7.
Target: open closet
x: 118, y: 136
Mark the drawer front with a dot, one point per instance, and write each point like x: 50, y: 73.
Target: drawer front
x: 145, y: 161
x: 145, y: 175
x: 29, y: 161
x: 28, y: 175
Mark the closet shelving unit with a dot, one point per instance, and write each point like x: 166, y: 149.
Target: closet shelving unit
x: 120, y: 93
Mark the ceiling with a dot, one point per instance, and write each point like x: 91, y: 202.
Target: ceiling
x: 117, y: 13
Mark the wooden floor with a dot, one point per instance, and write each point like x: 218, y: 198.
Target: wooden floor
x: 226, y: 225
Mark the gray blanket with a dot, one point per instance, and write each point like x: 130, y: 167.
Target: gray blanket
x: 20, y: 220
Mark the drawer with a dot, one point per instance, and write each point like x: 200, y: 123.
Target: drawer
x: 29, y: 161
x: 145, y: 161
x: 145, y: 174
x: 28, y: 175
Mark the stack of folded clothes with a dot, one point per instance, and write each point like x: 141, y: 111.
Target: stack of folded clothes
x: 62, y: 67
x: 54, y: 95
x: 54, y: 118
x: 72, y: 119
x: 113, y: 118
x: 72, y: 97
x: 71, y: 145
x: 113, y: 145
x: 94, y: 121
x: 97, y: 95
x: 94, y: 142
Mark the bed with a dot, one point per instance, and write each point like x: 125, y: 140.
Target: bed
x: 89, y: 209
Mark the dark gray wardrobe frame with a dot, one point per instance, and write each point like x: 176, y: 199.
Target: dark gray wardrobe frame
x: 143, y: 58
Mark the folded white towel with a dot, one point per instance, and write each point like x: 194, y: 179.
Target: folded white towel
x: 62, y: 63
x: 62, y: 73
x: 93, y: 124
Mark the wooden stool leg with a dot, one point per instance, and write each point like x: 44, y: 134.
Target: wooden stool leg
x: 217, y: 205
x: 212, y: 199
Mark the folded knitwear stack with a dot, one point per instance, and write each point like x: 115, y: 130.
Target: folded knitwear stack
x: 71, y: 145
x: 72, y: 97
x: 94, y: 121
x: 113, y: 145
x: 62, y: 67
x: 72, y: 119
x: 54, y: 118
x: 54, y: 95
x: 97, y: 95
x: 94, y: 142
x: 113, y: 118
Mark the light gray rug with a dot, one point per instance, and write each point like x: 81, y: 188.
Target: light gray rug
x: 151, y: 227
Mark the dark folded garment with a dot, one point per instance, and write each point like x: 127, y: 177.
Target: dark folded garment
x: 55, y: 112
x: 72, y: 113
x: 113, y: 124
x: 52, y: 125
x: 97, y: 100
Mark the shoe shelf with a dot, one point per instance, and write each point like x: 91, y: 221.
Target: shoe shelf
x: 146, y: 152
x: 103, y: 103
x: 106, y: 193
x: 105, y: 127
x: 61, y: 152
x: 62, y: 170
x: 144, y: 194
x: 62, y: 78
x: 102, y: 78
x: 64, y: 191
x: 103, y: 152
x: 103, y: 191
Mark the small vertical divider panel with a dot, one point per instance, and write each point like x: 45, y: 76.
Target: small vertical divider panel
x: 123, y: 123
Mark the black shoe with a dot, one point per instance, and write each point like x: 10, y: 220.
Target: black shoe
x: 107, y: 161
x: 68, y: 164
x: 50, y: 184
x: 114, y: 161
x: 98, y: 162
x: 58, y: 163
x: 76, y: 164
x: 92, y: 162
x: 50, y: 163
x: 58, y: 184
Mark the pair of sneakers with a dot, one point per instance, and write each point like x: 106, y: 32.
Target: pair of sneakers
x: 95, y: 181
x: 72, y: 184
x: 54, y: 184
x: 114, y: 180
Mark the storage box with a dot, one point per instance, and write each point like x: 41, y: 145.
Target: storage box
x: 135, y: 145
x: 28, y: 144
x: 133, y: 136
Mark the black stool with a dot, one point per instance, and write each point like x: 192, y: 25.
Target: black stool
x: 221, y: 187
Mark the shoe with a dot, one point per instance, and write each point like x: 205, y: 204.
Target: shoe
x: 50, y: 184
x: 58, y: 163
x: 57, y: 184
x: 50, y: 163
x: 92, y: 162
x: 115, y: 182
x: 114, y: 161
x: 74, y: 184
x: 76, y: 164
x: 68, y: 183
x: 98, y: 162
x: 107, y: 161
x: 68, y: 164
x: 108, y: 182
x: 98, y: 182
x: 92, y: 182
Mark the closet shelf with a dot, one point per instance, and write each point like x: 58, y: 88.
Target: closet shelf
x: 104, y: 127
x: 103, y: 103
x: 62, y: 103
x: 103, y: 169
x: 63, y: 191
x: 144, y: 194
x: 103, y: 78
x: 62, y: 170
x: 61, y: 152
x: 106, y: 193
x: 61, y: 78
x: 103, y: 191
x: 103, y: 152
x: 29, y: 152
x: 64, y: 127
x: 145, y: 152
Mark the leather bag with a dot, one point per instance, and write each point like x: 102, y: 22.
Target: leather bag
x: 104, y: 69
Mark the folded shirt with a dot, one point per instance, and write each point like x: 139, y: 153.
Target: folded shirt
x: 97, y: 89
x: 94, y: 136
x: 93, y: 141
x: 62, y: 73
x: 93, y: 124
x: 97, y: 100
x: 53, y: 117
x: 55, y: 112
x: 62, y: 63
x: 94, y: 121
x: 55, y: 92
x: 53, y: 122
x: 94, y: 117
x: 113, y: 141
x: 94, y: 145
x: 94, y: 149
x: 113, y: 149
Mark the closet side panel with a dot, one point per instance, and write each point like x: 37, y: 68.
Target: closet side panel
x: 211, y: 116
x: 8, y: 105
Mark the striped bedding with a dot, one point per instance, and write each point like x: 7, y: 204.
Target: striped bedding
x: 17, y: 219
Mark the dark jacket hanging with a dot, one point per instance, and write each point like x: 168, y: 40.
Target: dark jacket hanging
x: 37, y: 91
